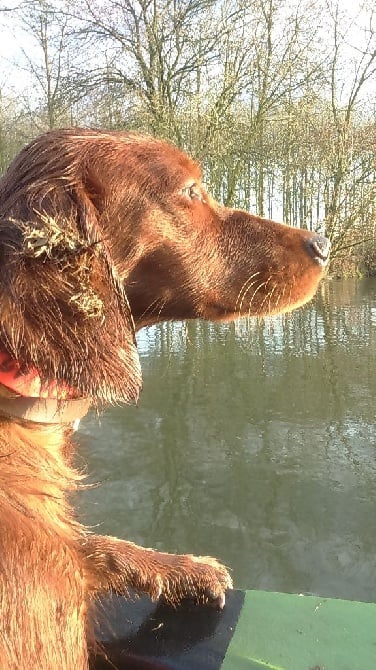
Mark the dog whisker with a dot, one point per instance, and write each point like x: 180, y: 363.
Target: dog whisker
x: 243, y: 290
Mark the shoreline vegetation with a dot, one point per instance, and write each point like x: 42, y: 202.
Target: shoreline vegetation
x: 275, y: 99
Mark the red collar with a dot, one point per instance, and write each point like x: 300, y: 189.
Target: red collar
x: 28, y: 384
x: 33, y: 401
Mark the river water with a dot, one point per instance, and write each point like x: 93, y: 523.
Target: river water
x: 254, y: 442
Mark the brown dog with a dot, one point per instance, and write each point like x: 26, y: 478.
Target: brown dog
x: 102, y: 233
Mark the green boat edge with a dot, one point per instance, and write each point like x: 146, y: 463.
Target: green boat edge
x: 257, y: 630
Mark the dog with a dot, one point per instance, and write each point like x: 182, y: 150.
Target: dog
x: 101, y: 234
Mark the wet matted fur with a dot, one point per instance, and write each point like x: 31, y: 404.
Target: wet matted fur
x: 102, y: 233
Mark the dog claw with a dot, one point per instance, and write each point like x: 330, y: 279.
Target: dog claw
x: 220, y: 601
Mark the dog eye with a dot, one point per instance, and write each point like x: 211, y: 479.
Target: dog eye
x: 193, y: 192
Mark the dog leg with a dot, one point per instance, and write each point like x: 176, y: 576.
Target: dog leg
x: 119, y: 565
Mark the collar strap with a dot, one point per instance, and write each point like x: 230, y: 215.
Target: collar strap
x: 28, y: 383
x: 29, y: 399
x: 45, y: 410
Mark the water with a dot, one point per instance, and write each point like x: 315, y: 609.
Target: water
x: 253, y: 442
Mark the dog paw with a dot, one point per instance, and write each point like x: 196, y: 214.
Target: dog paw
x: 119, y: 566
x: 179, y: 577
x: 200, y: 578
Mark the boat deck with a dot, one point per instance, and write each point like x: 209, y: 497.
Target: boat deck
x: 256, y: 630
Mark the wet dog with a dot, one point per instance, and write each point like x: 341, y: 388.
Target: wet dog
x: 102, y: 233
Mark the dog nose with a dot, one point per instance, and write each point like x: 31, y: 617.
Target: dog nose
x: 319, y: 248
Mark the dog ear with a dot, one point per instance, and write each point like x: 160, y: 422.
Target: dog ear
x: 64, y: 310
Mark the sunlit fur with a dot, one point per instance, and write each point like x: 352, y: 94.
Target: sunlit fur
x: 102, y: 233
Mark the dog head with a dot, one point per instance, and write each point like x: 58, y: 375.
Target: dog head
x: 102, y: 233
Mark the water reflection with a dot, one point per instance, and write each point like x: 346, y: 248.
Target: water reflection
x: 254, y: 442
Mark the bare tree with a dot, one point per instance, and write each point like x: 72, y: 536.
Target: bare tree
x: 269, y: 94
x: 154, y: 49
x: 353, y: 64
x: 48, y: 58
